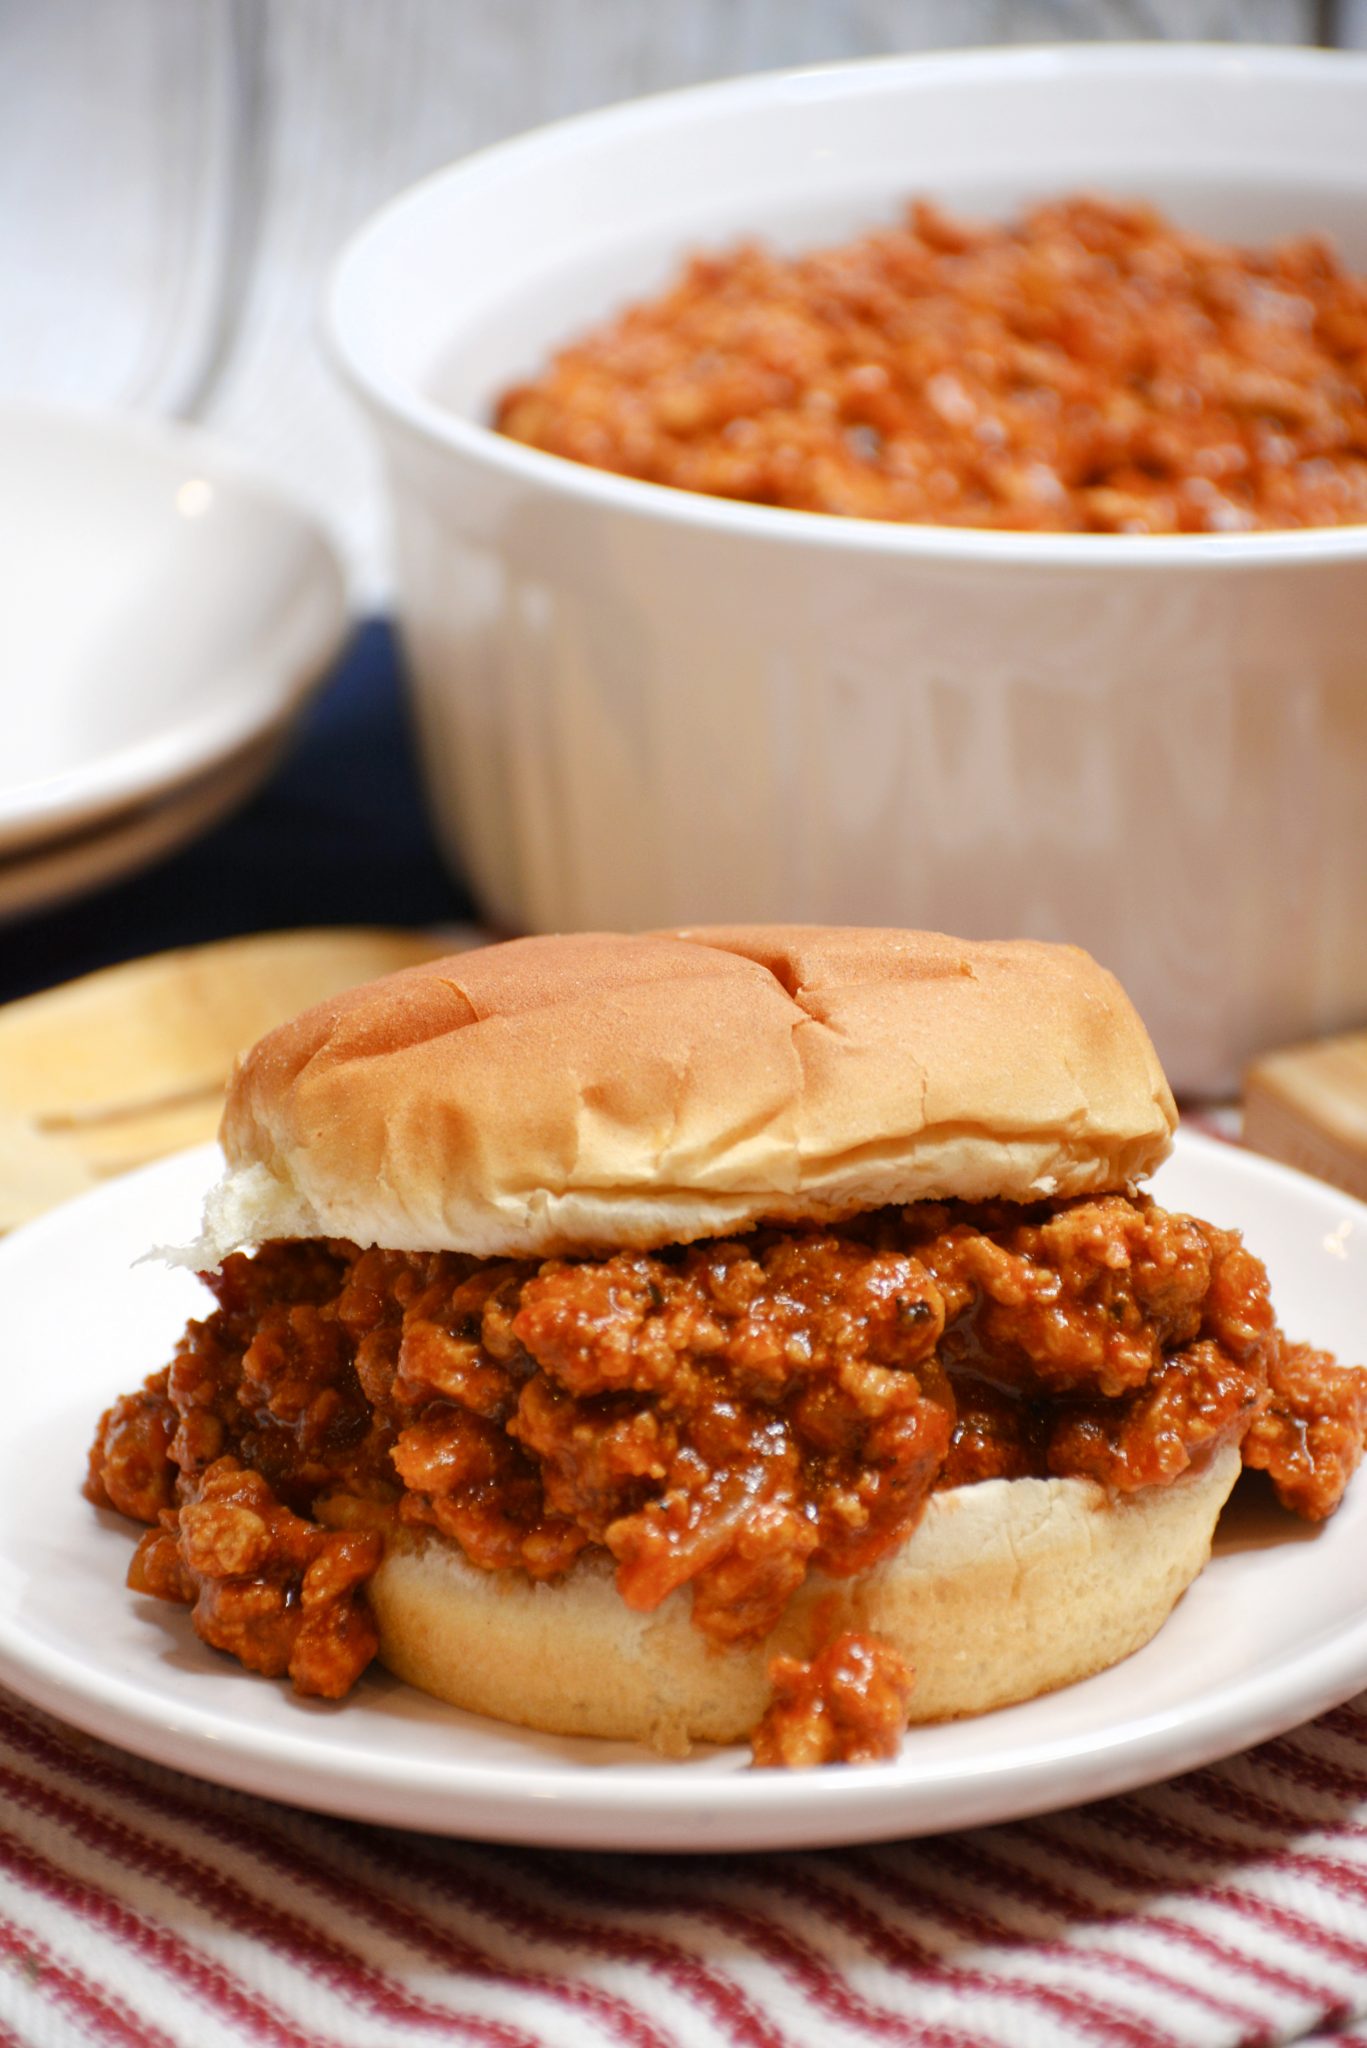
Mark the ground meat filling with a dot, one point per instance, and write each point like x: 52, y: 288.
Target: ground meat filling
x: 1089, y: 368
x: 722, y: 1416
x: 847, y: 1706
x: 277, y: 1592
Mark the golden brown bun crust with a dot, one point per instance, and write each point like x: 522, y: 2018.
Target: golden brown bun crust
x: 605, y: 1090
x: 1006, y: 1590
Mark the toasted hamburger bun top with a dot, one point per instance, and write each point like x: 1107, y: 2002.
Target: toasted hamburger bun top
x: 604, y: 1090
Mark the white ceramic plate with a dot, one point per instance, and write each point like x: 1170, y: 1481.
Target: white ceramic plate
x: 163, y: 610
x: 61, y: 869
x: 1274, y: 1632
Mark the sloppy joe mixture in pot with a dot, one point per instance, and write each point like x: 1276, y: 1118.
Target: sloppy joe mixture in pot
x: 1089, y: 368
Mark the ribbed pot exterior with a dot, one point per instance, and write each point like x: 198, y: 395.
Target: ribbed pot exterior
x: 627, y: 723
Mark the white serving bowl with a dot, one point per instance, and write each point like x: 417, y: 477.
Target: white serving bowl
x: 639, y: 706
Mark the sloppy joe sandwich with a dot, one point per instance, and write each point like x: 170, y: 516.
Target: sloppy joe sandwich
x: 715, y: 1332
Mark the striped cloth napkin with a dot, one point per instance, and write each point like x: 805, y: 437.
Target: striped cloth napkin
x: 141, y: 1908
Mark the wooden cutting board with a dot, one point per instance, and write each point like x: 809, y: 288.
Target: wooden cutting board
x: 106, y: 1073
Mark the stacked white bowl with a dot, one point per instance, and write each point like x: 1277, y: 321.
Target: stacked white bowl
x: 165, y: 615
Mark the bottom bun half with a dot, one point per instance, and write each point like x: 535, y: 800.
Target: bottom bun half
x: 1007, y: 1589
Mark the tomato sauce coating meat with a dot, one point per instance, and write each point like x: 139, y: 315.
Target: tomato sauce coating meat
x: 277, y: 1592
x: 1090, y: 368
x: 848, y: 1706
x: 723, y: 1416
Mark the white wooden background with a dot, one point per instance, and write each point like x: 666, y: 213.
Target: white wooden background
x: 174, y: 174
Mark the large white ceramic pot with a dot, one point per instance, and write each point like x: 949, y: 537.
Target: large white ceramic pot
x: 639, y: 706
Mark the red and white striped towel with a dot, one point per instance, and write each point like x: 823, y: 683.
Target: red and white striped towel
x: 142, y: 1908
